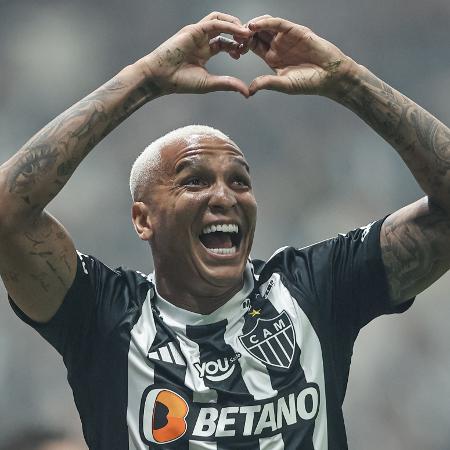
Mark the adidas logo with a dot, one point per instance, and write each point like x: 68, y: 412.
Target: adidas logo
x: 168, y: 353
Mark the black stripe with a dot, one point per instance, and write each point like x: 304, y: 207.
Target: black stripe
x: 168, y: 375
x: 282, y: 379
x: 216, y: 354
x: 217, y: 359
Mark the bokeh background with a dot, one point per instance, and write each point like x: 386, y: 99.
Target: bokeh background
x: 318, y: 170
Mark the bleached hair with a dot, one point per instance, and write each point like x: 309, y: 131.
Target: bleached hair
x: 149, y: 160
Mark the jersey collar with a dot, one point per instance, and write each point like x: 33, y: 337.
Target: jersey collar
x: 231, y: 308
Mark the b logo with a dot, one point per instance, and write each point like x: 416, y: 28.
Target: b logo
x: 163, y: 416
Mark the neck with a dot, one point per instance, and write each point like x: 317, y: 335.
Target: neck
x: 202, y: 301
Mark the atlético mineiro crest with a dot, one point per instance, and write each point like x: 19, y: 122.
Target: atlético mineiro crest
x: 272, y: 341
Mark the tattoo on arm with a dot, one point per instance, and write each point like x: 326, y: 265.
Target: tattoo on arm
x: 420, y: 139
x: 415, y: 249
x: 42, y: 167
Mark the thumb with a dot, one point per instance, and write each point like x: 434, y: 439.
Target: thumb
x: 226, y: 83
x: 269, y: 82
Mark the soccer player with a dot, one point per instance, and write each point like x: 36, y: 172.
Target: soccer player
x: 215, y: 350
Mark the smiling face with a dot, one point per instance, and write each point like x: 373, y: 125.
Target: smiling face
x: 201, y: 218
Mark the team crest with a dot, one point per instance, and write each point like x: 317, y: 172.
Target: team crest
x: 271, y: 341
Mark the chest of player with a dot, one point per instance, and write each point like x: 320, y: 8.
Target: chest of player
x: 250, y: 375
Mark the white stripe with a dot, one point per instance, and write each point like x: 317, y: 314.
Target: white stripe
x: 178, y: 359
x: 202, y: 445
x: 165, y: 355
x: 153, y: 355
x: 191, y: 351
x: 311, y: 359
x: 140, y: 374
x: 273, y: 351
x: 282, y: 347
x: 272, y: 443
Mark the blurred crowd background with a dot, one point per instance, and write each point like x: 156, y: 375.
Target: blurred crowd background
x: 317, y: 169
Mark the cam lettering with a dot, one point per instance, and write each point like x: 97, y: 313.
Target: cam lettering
x: 280, y: 325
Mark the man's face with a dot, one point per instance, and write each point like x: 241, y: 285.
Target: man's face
x: 202, y: 214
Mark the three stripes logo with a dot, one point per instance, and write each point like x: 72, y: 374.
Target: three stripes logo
x: 168, y: 354
x: 272, y: 341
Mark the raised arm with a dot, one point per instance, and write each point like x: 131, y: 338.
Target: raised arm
x: 37, y: 255
x: 415, y: 240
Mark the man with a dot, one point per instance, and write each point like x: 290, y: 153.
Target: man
x: 214, y: 351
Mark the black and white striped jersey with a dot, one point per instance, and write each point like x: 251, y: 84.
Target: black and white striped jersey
x: 267, y: 370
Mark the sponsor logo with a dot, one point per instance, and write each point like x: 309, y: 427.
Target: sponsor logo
x: 83, y: 264
x: 366, y: 231
x: 218, y: 370
x: 271, y: 341
x: 163, y: 416
x: 269, y: 288
x: 246, y: 304
x: 167, y: 353
x: 209, y: 422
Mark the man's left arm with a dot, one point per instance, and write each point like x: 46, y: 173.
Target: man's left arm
x: 415, y: 240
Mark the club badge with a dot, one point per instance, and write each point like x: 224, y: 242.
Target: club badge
x: 271, y: 341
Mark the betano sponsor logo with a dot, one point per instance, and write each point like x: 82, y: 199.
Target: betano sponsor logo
x: 166, y: 416
x: 163, y: 416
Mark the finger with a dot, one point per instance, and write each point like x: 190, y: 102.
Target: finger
x: 226, y: 83
x: 214, y: 27
x: 244, y: 47
x: 271, y: 24
x: 246, y: 25
x: 256, y: 19
x: 221, y: 16
x: 268, y: 82
x: 258, y: 46
x: 265, y: 36
x: 223, y: 44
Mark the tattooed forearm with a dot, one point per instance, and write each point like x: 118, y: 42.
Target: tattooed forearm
x: 421, y: 140
x: 42, y: 167
x: 415, y: 248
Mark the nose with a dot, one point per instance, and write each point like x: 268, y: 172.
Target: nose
x: 222, y: 197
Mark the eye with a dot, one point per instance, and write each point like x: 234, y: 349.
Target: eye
x: 194, y: 181
x: 241, y: 182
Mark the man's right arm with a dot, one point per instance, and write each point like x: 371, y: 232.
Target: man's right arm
x: 37, y: 255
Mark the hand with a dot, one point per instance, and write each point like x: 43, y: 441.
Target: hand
x: 178, y: 65
x: 304, y: 63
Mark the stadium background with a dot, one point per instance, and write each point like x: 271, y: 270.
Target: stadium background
x: 317, y: 170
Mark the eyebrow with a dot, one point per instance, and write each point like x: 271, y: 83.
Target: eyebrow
x: 191, y: 162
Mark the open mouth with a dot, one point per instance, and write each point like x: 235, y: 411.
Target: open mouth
x: 221, y: 239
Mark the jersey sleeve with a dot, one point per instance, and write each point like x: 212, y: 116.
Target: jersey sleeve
x: 360, y: 286
x: 346, y: 278
x: 95, y: 304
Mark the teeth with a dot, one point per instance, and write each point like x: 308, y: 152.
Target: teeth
x: 223, y: 251
x: 224, y: 228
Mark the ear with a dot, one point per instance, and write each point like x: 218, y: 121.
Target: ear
x: 141, y: 220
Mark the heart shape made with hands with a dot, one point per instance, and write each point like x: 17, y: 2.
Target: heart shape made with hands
x: 303, y: 62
